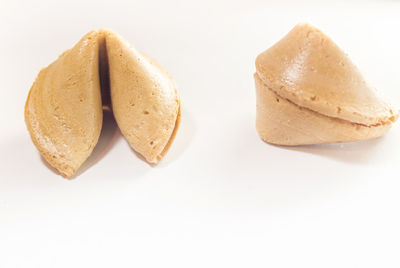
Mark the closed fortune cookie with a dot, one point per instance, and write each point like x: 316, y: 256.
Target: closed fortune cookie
x: 309, y: 92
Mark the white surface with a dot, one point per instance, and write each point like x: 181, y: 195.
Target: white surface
x: 221, y: 197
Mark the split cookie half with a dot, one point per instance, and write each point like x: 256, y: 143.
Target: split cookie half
x: 63, y: 111
x: 144, y: 99
x: 309, y: 92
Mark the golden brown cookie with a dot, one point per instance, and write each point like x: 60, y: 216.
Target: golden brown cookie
x: 309, y: 92
x: 144, y: 99
x: 63, y: 111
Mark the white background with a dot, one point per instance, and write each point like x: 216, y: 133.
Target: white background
x: 221, y: 197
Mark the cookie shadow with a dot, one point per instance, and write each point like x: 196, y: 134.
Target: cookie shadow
x: 359, y: 152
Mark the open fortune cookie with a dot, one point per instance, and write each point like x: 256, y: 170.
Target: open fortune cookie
x: 63, y: 111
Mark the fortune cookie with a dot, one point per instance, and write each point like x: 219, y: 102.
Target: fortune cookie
x: 309, y: 92
x: 63, y: 111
